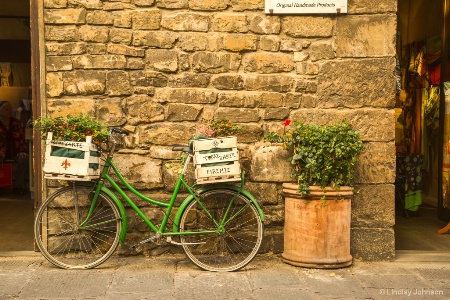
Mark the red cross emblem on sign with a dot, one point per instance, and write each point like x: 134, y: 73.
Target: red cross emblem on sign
x: 65, y: 164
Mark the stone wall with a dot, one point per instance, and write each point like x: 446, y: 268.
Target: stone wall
x: 157, y: 67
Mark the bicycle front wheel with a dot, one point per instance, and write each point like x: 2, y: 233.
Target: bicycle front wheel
x: 234, y: 227
x: 68, y: 236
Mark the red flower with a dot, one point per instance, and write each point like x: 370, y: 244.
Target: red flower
x: 287, y: 123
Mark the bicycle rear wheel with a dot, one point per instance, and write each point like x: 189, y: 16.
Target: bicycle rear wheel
x: 237, y: 226
x: 62, y: 237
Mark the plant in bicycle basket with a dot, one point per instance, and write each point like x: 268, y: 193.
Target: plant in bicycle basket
x: 72, y: 128
x: 220, y: 128
x: 320, y: 155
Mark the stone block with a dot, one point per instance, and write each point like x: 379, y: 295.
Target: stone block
x: 111, y: 111
x: 142, y: 110
x: 293, y: 45
x: 84, y: 82
x: 226, y: 22
x: 144, y: 2
x: 340, y: 84
x: 273, y: 100
x: 183, y: 112
x: 211, y: 62
x: 262, y: 24
x: 307, y: 26
x: 125, y: 50
x: 120, y: 35
x: 251, y: 133
x: 228, y: 82
x: 60, y: 107
x: 146, y: 19
x: 370, y: 35
x: 241, y: 5
x: 72, y: 48
x: 58, y: 63
x: 271, y: 83
x: 190, y: 80
x: 67, y: 33
x: 148, y: 78
x: 194, y: 41
x: 54, y: 84
x: 208, y: 5
x: 159, y: 39
x: 265, y: 193
x: 99, y: 17
x: 268, y: 62
x: 186, y: 95
x: 89, y: 4
x: 293, y: 100
x: 371, y: 6
x: 122, y: 19
x: 232, y: 99
x: 55, y: 3
x: 65, y: 16
x: 321, y: 51
x: 372, y: 244
x: 100, y: 62
x: 172, y: 3
x: 162, y: 59
x: 118, y: 83
x: 270, y: 163
x: 269, y: 43
x: 239, y: 42
x: 238, y: 115
x: 186, y: 22
x: 373, y: 206
x: 376, y: 163
x: 166, y: 134
x: 140, y: 171
x: 276, y: 113
x: 164, y: 152
x: 95, y: 48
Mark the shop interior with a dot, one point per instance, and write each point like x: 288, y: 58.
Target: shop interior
x: 16, y: 203
x: 422, y: 204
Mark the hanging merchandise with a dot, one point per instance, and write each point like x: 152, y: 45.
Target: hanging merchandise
x: 446, y: 150
x: 431, y: 109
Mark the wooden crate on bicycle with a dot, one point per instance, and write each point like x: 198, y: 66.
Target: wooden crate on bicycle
x: 68, y: 160
x: 216, y: 160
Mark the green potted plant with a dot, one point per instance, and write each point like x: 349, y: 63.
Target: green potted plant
x: 317, y: 203
x: 72, y: 128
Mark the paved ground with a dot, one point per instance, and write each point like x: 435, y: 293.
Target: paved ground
x: 27, y: 275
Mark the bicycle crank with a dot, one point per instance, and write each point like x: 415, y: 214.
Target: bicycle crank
x: 150, y: 239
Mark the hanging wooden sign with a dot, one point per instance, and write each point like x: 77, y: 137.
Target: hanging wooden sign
x: 305, y: 6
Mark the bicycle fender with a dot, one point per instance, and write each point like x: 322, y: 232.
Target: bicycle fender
x: 204, y: 189
x: 123, y: 214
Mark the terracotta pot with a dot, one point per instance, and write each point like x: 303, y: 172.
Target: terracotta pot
x: 317, y: 231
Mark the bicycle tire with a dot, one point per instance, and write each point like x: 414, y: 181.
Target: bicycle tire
x: 59, y: 236
x: 238, y: 242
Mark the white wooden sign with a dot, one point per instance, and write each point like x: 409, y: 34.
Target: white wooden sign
x: 305, y: 6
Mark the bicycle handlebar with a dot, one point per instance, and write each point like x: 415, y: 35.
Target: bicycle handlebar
x: 120, y: 130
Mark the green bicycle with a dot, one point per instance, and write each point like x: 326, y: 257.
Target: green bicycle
x: 219, y: 225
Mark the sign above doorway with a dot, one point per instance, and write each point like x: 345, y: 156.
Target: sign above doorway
x: 305, y: 6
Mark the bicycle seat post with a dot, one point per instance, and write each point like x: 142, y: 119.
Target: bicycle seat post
x: 186, y: 163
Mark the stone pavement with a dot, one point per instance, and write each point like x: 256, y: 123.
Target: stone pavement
x: 27, y: 275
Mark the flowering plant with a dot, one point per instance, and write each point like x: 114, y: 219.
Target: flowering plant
x: 220, y: 128
x: 321, y: 155
x: 72, y: 128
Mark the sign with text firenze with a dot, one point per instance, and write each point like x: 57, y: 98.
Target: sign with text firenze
x: 305, y: 6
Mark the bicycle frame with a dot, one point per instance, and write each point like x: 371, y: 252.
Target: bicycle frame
x: 193, y: 196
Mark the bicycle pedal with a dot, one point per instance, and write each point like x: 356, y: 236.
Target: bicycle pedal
x: 170, y: 241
